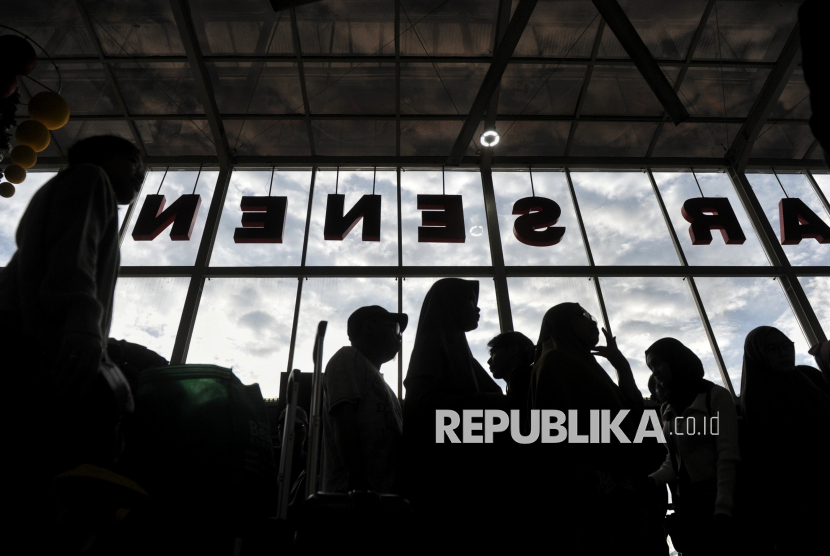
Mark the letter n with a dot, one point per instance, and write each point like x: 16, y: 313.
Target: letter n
x: 442, y: 220
x: 536, y: 228
x: 722, y: 218
x: 152, y: 221
x: 263, y: 220
x: 338, y: 225
x: 799, y: 221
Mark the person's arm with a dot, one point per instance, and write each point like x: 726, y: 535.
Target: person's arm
x: 80, y: 212
x: 665, y: 474
x: 347, y: 438
x: 625, y: 377
x: 727, y: 450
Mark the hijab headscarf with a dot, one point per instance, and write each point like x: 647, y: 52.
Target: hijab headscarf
x: 441, y: 361
x: 686, y: 371
x: 780, y: 402
x: 566, y: 376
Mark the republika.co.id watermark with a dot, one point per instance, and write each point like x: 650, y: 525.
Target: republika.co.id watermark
x: 478, y: 426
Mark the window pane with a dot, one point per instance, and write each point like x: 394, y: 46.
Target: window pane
x: 162, y: 251
x: 12, y: 209
x: 245, y: 324
x: 353, y: 250
x: 643, y: 310
x: 512, y: 186
x: 622, y: 219
x: 769, y: 193
x: 414, y: 292
x: 736, y: 306
x: 817, y: 289
x: 295, y: 186
x: 333, y: 300
x: 676, y: 188
x: 147, y: 311
x: 475, y: 251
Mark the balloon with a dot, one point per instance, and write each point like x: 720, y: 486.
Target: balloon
x: 33, y: 134
x: 18, y: 55
x: 24, y: 156
x: 15, y: 174
x: 6, y: 189
x: 8, y: 85
x: 49, y: 109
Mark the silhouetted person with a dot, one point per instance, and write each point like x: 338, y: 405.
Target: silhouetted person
x: 449, y: 484
x: 133, y: 359
x: 362, y: 416
x: 55, y: 312
x: 787, y: 417
x: 703, y: 454
x: 590, y: 483
x: 511, y: 358
x: 822, y: 354
x: 813, y: 16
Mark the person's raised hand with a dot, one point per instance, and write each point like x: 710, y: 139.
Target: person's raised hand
x: 77, y: 361
x: 611, y: 352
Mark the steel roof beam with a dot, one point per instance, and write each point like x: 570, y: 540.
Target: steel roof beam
x: 778, y: 78
x: 638, y: 52
x: 405, y: 58
x: 298, y: 54
x: 184, y: 22
x: 492, y: 79
x: 584, y: 91
x: 472, y: 162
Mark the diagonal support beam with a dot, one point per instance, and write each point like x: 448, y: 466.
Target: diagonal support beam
x: 295, y: 37
x: 637, y: 50
x: 184, y: 22
x: 741, y: 147
x: 707, y: 11
x: 583, y: 93
x: 501, y: 57
x: 502, y: 20
x: 119, y: 98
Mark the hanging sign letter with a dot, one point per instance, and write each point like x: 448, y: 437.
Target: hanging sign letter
x: 442, y: 220
x: 338, y: 225
x: 263, y: 220
x: 535, y: 227
x: 152, y: 221
x: 798, y: 222
x: 722, y: 218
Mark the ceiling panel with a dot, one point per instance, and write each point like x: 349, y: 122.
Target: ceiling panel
x: 167, y: 88
x: 422, y: 90
x: 540, y: 89
x: 350, y: 88
x: 256, y: 88
x: 612, y: 139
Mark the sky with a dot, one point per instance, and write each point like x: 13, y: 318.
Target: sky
x: 246, y: 323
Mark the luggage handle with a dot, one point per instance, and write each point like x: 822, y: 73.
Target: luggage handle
x: 315, y: 426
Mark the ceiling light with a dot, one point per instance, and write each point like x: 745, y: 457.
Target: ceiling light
x: 489, y: 139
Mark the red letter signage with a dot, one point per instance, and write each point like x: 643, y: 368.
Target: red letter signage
x: 338, y: 225
x: 535, y: 227
x: 152, y: 221
x: 722, y: 218
x: 263, y: 220
x: 798, y: 222
x: 442, y: 220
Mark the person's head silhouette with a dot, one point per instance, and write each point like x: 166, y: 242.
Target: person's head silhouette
x: 120, y: 160
x: 376, y: 333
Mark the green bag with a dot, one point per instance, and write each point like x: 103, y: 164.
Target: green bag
x: 200, y: 442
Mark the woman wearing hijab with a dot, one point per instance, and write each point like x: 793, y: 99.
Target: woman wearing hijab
x: 592, y: 483
x: 701, y: 431
x: 448, y: 483
x: 787, y: 417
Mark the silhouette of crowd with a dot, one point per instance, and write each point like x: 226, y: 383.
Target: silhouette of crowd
x: 754, y: 484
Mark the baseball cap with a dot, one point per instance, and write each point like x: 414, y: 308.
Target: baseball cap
x: 373, y: 312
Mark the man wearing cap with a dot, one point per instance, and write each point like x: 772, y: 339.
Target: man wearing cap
x: 362, y: 417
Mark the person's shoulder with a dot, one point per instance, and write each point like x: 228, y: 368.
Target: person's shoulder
x: 81, y: 180
x: 345, y: 356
